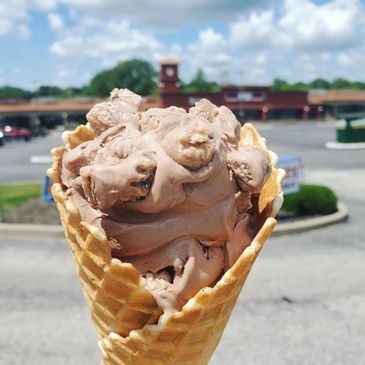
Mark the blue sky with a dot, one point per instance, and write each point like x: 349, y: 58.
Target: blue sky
x: 65, y: 42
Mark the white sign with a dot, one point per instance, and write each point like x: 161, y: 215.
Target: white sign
x: 244, y: 96
x: 293, y: 170
x: 341, y: 124
x: 358, y: 123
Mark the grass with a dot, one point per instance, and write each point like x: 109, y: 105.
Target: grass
x: 12, y: 195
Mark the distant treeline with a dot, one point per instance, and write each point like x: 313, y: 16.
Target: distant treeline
x: 140, y: 77
x: 337, y: 84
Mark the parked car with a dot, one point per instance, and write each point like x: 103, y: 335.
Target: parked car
x: 2, y: 138
x: 17, y: 133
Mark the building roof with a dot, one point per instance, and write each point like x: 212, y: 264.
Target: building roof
x: 62, y: 105
x: 337, y: 96
x: 169, y: 61
x: 43, y: 108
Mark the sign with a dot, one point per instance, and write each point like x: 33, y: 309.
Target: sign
x: 46, y: 194
x: 244, y: 96
x: 293, y: 170
x: 358, y: 123
x: 341, y: 124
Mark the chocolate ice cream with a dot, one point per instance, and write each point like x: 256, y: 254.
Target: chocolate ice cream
x: 171, y: 190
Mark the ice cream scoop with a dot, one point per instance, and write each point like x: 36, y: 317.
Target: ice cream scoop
x: 171, y: 190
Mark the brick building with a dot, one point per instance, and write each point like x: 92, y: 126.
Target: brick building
x: 246, y: 102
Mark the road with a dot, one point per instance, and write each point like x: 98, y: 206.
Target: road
x: 302, y: 304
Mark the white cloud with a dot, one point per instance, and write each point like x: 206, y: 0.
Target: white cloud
x: 262, y: 58
x: 65, y: 73
x: 68, y: 76
x: 15, y: 18
x: 209, y: 53
x: 352, y: 63
x: 55, y: 21
x: 109, y: 42
x: 166, y: 13
x: 115, y: 41
x: 65, y: 77
x: 344, y: 59
x: 41, y: 5
x: 210, y: 39
x: 302, y: 26
x: 253, y: 33
x: 156, y: 14
x: 13, y: 15
x: 302, y: 40
x: 307, y: 26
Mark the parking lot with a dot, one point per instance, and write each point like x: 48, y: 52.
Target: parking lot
x: 303, y: 302
x: 16, y: 158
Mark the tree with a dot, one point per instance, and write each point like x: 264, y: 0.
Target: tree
x: 48, y: 91
x: 299, y: 86
x: 319, y: 84
x: 341, y: 84
x: 200, y: 84
x: 9, y: 92
x: 337, y: 84
x: 280, y: 85
x: 136, y: 75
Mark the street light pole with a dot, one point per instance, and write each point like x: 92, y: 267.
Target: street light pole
x: 241, y: 113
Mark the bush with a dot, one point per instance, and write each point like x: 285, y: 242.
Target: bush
x: 311, y: 200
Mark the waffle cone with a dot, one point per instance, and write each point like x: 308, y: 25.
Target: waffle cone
x: 131, y: 327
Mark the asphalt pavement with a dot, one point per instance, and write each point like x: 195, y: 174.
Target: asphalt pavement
x: 303, y: 302
x: 22, y: 161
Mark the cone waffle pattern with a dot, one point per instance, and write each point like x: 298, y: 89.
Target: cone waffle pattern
x: 127, y: 319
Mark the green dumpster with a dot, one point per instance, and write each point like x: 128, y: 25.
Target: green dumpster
x: 350, y: 128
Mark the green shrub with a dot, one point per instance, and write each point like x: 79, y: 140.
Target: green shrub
x: 311, y: 200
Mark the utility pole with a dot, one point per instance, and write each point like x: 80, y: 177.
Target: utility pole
x: 241, y: 112
x: 224, y: 78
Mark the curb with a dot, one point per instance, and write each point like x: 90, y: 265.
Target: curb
x: 345, y: 146
x: 31, y: 230
x: 56, y: 231
x: 312, y: 223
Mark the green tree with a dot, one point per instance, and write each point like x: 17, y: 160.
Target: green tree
x: 200, y: 84
x: 357, y: 85
x: 137, y: 75
x: 57, y: 92
x: 280, y: 85
x: 101, y: 84
x: 319, y: 84
x: 9, y: 92
x: 340, y: 84
x: 46, y: 91
x: 298, y: 86
x: 73, y: 91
